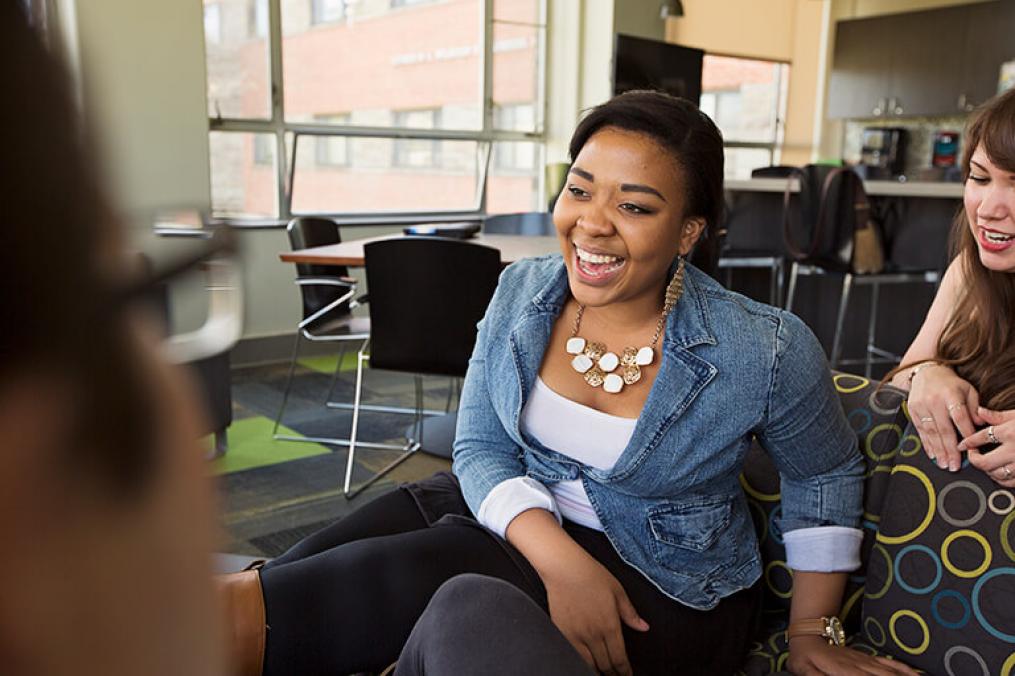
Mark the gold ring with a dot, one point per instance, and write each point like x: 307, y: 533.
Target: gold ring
x: 927, y: 419
x: 952, y: 407
x: 993, y: 437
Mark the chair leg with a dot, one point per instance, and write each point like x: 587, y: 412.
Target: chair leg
x: 840, y: 319
x: 334, y: 375
x: 408, y: 450
x: 360, y: 358
x: 288, y: 385
x: 872, y: 327
x: 419, y: 409
x: 779, y: 283
x: 793, y: 271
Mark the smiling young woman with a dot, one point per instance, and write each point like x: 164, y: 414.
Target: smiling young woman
x: 960, y: 369
x: 615, y: 509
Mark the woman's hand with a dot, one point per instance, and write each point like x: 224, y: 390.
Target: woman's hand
x: 813, y: 656
x: 939, y: 402
x: 588, y: 605
x: 998, y: 464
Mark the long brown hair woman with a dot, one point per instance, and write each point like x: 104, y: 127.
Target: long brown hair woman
x: 960, y: 369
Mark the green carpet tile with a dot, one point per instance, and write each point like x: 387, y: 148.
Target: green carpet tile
x: 251, y: 445
x: 273, y: 493
x: 327, y: 363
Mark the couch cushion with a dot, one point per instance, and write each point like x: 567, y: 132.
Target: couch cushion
x: 940, y: 589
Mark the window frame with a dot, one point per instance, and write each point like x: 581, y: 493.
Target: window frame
x: 288, y: 134
x: 774, y: 147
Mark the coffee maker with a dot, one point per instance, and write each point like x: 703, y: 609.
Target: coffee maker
x: 883, y: 152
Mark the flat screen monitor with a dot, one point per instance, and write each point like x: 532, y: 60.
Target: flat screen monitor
x: 639, y: 63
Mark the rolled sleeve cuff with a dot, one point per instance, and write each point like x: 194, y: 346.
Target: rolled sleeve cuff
x: 823, y: 549
x: 510, y: 498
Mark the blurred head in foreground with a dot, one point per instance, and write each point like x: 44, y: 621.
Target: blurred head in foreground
x: 105, y: 520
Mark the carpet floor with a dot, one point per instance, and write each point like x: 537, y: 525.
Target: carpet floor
x: 273, y: 493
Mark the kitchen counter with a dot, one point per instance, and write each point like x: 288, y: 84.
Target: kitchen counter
x: 881, y: 188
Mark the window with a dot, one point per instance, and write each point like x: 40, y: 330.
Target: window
x: 416, y: 153
x: 514, y: 156
x: 747, y: 100
x: 441, y: 107
x: 407, y: 3
x: 331, y: 151
x: 327, y: 11
x: 259, y: 18
x: 264, y: 149
x: 212, y: 23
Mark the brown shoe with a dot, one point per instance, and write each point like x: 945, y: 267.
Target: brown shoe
x: 243, y: 605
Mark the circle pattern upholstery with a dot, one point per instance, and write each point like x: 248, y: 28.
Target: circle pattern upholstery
x: 937, y: 585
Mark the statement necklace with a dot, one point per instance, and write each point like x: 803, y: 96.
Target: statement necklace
x: 599, y: 366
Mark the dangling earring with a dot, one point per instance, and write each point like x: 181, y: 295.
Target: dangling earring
x: 675, y: 288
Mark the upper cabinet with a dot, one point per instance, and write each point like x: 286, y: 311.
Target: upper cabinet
x: 938, y: 62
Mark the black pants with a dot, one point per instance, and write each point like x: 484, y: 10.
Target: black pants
x: 346, y: 598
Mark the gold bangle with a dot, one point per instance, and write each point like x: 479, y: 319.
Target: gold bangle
x: 920, y: 367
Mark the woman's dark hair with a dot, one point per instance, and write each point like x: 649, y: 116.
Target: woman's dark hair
x: 60, y: 265
x: 979, y: 338
x: 691, y: 137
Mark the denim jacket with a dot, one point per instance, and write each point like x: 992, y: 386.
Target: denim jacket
x: 672, y: 506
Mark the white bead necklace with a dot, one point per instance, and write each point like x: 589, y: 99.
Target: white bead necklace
x: 599, y: 366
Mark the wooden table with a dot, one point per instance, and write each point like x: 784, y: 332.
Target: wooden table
x: 350, y: 253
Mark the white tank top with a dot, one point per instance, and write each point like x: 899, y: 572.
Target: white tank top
x: 577, y: 431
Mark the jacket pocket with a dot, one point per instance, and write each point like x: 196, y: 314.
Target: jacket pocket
x: 686, y: 535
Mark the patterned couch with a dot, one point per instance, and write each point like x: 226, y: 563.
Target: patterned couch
x: 937, y: 586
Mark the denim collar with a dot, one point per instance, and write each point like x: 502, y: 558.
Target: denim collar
x: 689, y: 324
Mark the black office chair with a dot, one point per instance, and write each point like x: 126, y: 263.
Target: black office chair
x: 328, y: 294
x: 426, y: 296
x: 753, y: 237
x: 524, y: 223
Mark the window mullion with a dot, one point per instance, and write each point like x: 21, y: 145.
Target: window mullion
x: 283, y: 192
x: 487, y: 64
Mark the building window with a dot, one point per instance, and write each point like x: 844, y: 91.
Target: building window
x: 416, y: 152
x: 212, y: 23
x: 331, y: 151
x: 747, y: 100
x: 510, y: 157
x: 415, y: 123
x: 327, y: 11
x: 264, y: 149
x: 409, y: 3
x: 258, y: 18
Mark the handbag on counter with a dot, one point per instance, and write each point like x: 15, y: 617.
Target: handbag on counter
x: 835, y: 222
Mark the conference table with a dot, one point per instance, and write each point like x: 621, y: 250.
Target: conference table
x: 350, y: 253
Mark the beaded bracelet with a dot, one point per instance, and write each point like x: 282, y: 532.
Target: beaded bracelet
x: 920, y: 367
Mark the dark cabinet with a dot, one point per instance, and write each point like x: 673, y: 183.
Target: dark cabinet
x: 926, y: 62
x: 990, y: 41
x: 858, y: 86
x: 937, y: 62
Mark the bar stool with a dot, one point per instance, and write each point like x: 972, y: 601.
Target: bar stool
x: 872, y: 354
x: 753, y: 235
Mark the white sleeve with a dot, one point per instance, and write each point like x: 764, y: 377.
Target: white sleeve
x: 510, y: 498
x: 823, y: 549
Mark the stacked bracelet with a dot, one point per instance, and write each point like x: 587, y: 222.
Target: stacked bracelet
x: 920, y: 367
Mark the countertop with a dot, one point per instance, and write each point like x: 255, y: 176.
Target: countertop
x: 886, y: 188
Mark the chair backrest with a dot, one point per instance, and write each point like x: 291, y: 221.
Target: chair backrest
x: 309, y: 231
x: 426, y: 296
x: 525, y: 223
